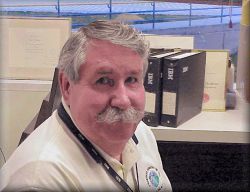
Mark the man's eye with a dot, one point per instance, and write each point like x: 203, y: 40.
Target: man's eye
x: 105, y: 81
x: 131, y: 80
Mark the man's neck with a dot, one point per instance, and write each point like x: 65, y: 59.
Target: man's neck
x: 112, y: 149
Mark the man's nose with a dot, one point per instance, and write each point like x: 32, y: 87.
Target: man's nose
x: 120, y: 98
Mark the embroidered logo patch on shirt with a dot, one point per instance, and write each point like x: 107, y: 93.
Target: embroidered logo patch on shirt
x: 153, y: 178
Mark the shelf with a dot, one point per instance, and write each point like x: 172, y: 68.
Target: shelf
x: 223, y: 127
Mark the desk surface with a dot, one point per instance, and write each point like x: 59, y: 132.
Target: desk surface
x: 223, y: 127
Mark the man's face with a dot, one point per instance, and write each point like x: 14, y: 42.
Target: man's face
x: 111, y: 77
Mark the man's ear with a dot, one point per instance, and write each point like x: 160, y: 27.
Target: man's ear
x: 64, y: 83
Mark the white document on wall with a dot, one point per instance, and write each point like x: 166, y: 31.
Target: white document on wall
x: 215, y: 80
x: 30, y: 47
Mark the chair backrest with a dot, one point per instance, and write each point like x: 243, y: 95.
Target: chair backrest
x: 49, y: 104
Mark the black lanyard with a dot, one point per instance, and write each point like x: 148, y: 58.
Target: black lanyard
x: 91, y: 149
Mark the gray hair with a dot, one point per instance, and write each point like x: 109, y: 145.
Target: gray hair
x: 73, y: 53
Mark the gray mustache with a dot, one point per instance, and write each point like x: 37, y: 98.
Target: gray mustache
x: 112, y: 115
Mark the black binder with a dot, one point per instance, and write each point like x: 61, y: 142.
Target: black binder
x: 183, y: 87
x: 153, y: 87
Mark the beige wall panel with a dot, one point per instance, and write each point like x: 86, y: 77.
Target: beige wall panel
x: 19, y: 101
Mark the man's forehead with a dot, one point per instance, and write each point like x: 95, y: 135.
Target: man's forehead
x: 111, y: 59
x: 109, y: 66
x: 111, y: 69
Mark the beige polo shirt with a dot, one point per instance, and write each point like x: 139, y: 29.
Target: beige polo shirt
x: 52, y: 159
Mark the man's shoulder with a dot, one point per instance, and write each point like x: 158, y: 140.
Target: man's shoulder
x: 37, y: 176
x: 40, y: 161
x: 43, y: 144
x: 144, y: 132
x: 146, y: 138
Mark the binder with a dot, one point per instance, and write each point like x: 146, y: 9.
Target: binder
x: 153, y: 87
x: 183, y: 87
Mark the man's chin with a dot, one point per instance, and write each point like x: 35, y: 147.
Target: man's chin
x: 118, y: 131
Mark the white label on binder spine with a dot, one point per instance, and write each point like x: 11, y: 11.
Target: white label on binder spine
x: 150, y: 102
x: 169, y: 103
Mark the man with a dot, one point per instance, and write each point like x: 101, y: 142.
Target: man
x: 95, y: 141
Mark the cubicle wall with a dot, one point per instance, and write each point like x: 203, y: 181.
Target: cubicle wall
x: 29, y: 49
x: 20, y: 100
